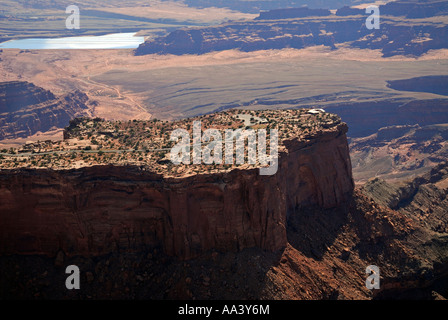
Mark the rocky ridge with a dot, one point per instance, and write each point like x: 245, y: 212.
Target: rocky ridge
x: 398, y: 152
x: 279, y: 29
x: 26, y: 109
x: 16, y: 95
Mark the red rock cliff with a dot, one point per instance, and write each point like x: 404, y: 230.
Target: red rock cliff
x: 96, y: 210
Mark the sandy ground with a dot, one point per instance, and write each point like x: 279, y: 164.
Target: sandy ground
x: 62, y: 71
x: 180, y: 12
x: 52, y: 68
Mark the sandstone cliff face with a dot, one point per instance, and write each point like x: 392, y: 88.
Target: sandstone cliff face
x: 102, y: 209
x: 26, y: 109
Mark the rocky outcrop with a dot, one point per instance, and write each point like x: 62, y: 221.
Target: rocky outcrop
x: 415, y: 9
x: 394, y: 132
x: 399, y: 152
x: 292, y: 28
x: 348, y: 11
x: 292, y: 13
x: 245, y: 36
x: 113, y: 221
x: 423, y: 198
x: 27, y: 109
x: 101, y: 209
x: 16, y: 95
x: 420, y: 202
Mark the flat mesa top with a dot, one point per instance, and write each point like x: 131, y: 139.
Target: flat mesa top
x: 89, y: 142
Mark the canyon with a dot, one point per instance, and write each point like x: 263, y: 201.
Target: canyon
x: 26, y: 109
x: 399, y: 152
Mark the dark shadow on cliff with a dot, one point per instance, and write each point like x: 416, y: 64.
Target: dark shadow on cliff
x: 141, y: 276
x: 311, y: 230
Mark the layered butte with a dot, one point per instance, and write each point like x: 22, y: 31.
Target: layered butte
x: 109, y: 207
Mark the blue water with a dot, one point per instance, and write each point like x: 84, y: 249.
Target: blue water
x: 110, y: 41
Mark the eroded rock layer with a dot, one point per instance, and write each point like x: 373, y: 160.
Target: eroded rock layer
x: 101, y: 209
x: 405, y: 29
x: 26, y: 109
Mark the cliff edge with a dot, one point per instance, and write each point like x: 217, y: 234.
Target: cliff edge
x: 107, y: 208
